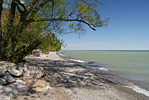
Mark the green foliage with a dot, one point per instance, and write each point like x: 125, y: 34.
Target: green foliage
x: 79, y: 10
x: 50, y: 42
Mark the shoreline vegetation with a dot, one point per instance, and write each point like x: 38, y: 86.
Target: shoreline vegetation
x: 66, y: 80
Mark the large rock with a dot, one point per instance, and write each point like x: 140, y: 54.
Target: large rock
x: 12, y: 90
x: 32, y: 72
x: 9, y: 78
x: 36, y: 52
x: 2, y: 81
x: 40, y: 86
x: 15, y: 70
x: 2, y: 63
x: 3, y: 69
x: 45, y: 55
x: 39, y: 50
x: 12, y: 66
x: 20, y: 65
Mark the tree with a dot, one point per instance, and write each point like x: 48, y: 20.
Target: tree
x: 44, y: 14
x: 50, y: 42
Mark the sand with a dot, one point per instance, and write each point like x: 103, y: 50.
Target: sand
x: 69, y: 81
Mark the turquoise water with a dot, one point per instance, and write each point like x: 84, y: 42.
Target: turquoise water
x: 132, y: 65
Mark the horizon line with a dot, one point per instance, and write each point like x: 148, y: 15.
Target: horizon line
x: 122, y: 49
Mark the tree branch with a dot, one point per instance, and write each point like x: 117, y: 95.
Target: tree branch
x: 62, y: 19
x: 70, y: 14
x: 24, y: 51
x: 30, y: 6
x: 101, y: 3
x: 37, y: 8
x: 18, y: 1
x: 19, y: 9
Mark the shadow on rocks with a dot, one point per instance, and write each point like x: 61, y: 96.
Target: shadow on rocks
x: 66, y: 74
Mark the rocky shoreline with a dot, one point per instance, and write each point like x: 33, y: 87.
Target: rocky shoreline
x: 53, y: 78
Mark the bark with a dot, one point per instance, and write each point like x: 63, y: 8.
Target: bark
x: 1, y: 8
x: 24, y: 51
x: 11, y: 30
x: 12, y: 34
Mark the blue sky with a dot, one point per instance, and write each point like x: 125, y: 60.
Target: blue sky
x: 128, y: 28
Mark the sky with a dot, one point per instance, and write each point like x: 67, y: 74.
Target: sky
x: 128, y: 28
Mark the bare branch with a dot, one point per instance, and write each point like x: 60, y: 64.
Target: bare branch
x: 62, y: 19
x: 70, y: 14
x: 88, y: 4
x: 101, y: 3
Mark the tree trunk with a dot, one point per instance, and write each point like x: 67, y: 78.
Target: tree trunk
x: 19, y: 54
x: 1, y: 8
x: 11, y: 27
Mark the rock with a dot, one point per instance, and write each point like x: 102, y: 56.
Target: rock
x: 45, y: 55
x: 9, y: 78
x: 32, y: 72
x: 2, y: 63
x: 37, y: 52
x: 12, y: 90
x: 12, y: 66
x: 2, y: 81
x: 16, y: 72
x: 21, y: 65
x: 40, y: 65
x: 3, y: 69
x: 41, y: 85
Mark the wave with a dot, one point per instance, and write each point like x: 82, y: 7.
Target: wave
x: 80, y: 61
x: 61, y: 55
x: 137, y: 89
x: 103, y: 69
x: 130, y: 85
x: 74, y: 60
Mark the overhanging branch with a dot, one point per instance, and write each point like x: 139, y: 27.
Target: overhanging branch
x: 37, y: 8
x: 18, y: 1
x: 30, y: 6
x: 19, y: 9
x: 62, y: 19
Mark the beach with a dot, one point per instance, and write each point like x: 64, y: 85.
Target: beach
x: 66, y: 80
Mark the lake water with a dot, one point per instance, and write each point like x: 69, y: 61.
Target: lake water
x: 130, y: 64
